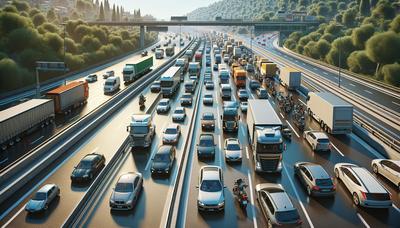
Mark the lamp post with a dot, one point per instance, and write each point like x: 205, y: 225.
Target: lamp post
x: 65, y: 49
x: 340, y: 64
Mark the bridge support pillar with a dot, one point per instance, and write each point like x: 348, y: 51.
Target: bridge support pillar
x: 141, y: 39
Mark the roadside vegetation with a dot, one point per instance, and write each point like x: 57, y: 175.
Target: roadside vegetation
x: 28, y: 35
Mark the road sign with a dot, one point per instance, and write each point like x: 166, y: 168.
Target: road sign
x: 50, y: 66
x: 157, y: 29
x: 178, y: 18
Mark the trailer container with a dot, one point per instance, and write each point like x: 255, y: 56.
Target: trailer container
x: 290, y: 78
x: 68, y: 97
x: 135, y: 70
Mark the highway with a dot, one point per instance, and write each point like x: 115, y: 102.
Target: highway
x: 151, y: 209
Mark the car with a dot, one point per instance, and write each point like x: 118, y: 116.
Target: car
x: 91, y: 78
x: 171, y: 134
x: 208, y: 70
x: 153, y: 49
x: 207, y: 77
x: 390, y: 169
x: 262, y: 93
x: 233, y: 150
x: 318, y: 140
x: 155, y: 87
x: 208, y: 99
x: 126, y: 191
x: 208, y: 121
x: 42, y: 199
x: 243, y: 106
x: 163, y: 160
x: 243, y: 94
x: 276, y: 206
x: 249, y: 68
x: 186, y: 99
x: 211, y: 196
x: 208, y: 62
x: 108, y: 74
x: 163, y: 106
x: 179, y: 114
x: 206, y: 146
x: 88, y: 168
x: 144, y: 53
x: 315, y: 179
x: 215, y: 67
x: 254, y: 84
x: 158, y: 46
x: 209, y: 85
x: 365, y: 189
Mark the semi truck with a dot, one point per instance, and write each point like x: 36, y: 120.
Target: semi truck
x: 218, y: 58
x: 239, y: 77
x: 68, y: 97
x: 333, y: 114
x: 24, y: 118
x: 268, y: 69
x: 198, y: 57
x: 290, y: 78
x: 141, y: 130
x: 260, y: 61
x: 237, y: 52
x: 135, y: 70
x: 230, y: 117
x: 170, y: 81
x: 264, y: 132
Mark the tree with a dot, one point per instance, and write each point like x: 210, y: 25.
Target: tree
x: 38, y: 19
x: 365, y: 7
x: 359, y: 62
x: 11, y: 21
x: 22, y: 38
x: 349, y: 17
x: 385, y: 10
x: 11, y: 75
x: 51, y: 15
x: 118, y: 17
x: 81, y: 31
x: 322, y: 47
x: 360, y: 35
x: 340, y: 50
x: 101, y: 13
x: 54, y: 41
x: 391, y: 74
x: 113, y: 15
x: 90, y: 43
x: 395, y: 24
x: 21, y: 5
x: 373, y: 3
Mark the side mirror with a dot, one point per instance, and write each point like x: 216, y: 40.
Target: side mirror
x: 127, y: 128
x: 197, y: 186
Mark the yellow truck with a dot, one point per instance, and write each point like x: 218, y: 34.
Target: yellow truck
x: 268, y: 69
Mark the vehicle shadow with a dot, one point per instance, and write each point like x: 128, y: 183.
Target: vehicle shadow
x: 41, y: 217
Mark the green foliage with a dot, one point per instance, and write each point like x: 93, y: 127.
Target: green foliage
x: 360, y: 35
x: 33, y: 12
x: 391, y: 74
x: 359, y: 62
x: 54, y: 41
x: 340, y: 50
x: 384, y: 9
x: 90, y: 43
x: 22, y: 38
x: 11, y: 21
x: 48, y: 27
x: 38, y: 19
x: 11, y: 75
x: 81, y: 31
x: 51, y: 15
x: 21, y: 5
x: 322, y: 48
x: 365, y: 8
x: 395, y: 24
x: 349, y: 17
x: 384, y: 47
x: 10, y: 9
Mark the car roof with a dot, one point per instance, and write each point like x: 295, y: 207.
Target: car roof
x: 232, y: 141
x: 369, y: 182
x: 282, y: 201
x: 320, y: 135
x: 90, y: 157
x: 164, y: 149
x: 172, y: 125
x: 210, y: 172
x: 317, y: 171
x: 127, y: 177
x: 207, y: 136
x: 164, y: 100
x: 208, y: 114
x: 46, y: 188
x: 179, y: 108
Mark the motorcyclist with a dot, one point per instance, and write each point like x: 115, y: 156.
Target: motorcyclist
x: 240, y: 185
x: 142, y: 99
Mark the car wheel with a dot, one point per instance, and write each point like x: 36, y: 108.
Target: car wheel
x: 309, y: 192
x: 356, y: 200
x: 375, y: 168
x: 337, y: 174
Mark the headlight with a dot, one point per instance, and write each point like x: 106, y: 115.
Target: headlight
x: 86, y: 176
x: 221, y: 204
x: 200, y: 203
x: 129, y: 202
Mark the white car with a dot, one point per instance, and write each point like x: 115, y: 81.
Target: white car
x: 211, y: 195
x: 91, y: 78
x: 163, y: 106
x: 126, y: 192
x: 108, y: 74
x: 390, y: 169
x: 42, y: 198
x: 318, y: 141
x: 171, y: 134
x: 243, y: 106
x: 365, y: 189
x: 233, y: 150
x: 208, y: 99
x: 179, y: 114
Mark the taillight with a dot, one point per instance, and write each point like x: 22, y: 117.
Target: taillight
x: 330, y: 146
x: 316, y: 188
x: 280, y: 157
x: 299, y: 221
x: 364, y: 195
x: 334, y: 187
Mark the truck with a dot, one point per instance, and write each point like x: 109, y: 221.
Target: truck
x: 189, y: 54
x: 170, y: 81
x: 290, y: 78
x: 223, y: 76
x: 159, y: 53
x: 230, y: 117
x: 183, y: 63
x: 218, y: 58
x: 333, y: 114
x: 260, y: 61
x: 198, y: 57
x: 141, y: 130
x: 24, y: 118
x: 239, y: 77
x: 268, y: 69
x: 170, y: 51
x: 135, y: 70
x: 229, y: 49
x: 194, y: 69
x: 237, y: 52
x: 68, y: 97
x: 264, y: 133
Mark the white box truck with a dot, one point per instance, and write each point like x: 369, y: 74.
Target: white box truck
x: 333, y: 114
x: 170, y: 81
x: 290, y: 78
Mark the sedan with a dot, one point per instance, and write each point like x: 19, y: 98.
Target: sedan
x: 126, y: 192
x: 163, y: 160
x: 254, y: 84
x: 208, y: 70
x: 211, y: 195
x: 208, y: 99
x: 243, y: 106
x: 179, y: 114
x: 42, y: 198
x: 243, y: 94
x: 155, y: 87
x: 233, y: 150
x: 91, y: 78
x: 315, y: 179
x: 390, y: 169
x: 88, y: 167
x: 206, y: 146
x: 207, y: 77
x: 163, y: 106
x: 262, y: 93
x: 171, y: 134
x: 186, y: 99
x: 208, y: 121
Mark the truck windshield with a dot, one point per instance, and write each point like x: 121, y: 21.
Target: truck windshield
x: 166, y: 83
x: 127, y: 72
x: 140, y: 130
x: 269, y: 148
x: 229, y: 117
x: 109, y: 83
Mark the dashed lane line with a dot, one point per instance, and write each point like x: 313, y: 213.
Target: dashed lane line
x: 363, y: 221
x: 337, y: 150
x: 297, y: 134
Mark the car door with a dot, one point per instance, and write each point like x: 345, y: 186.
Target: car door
x: 345, y: 177
x: 263, y: 201
x: 390, y: 169
x: 353, y: 183
x: 136, y: 187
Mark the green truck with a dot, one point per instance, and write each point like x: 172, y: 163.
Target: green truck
x: 133, y: 71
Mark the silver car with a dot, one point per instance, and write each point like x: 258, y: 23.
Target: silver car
x: 126, y: 191
x: 163, y: 106
x: 42, y: 198
x: 390, y: 169
x: 208, y: 99
x: 318, y: 141
x: 91, y: 78
x: 315, y: 179
x: 211, y: 195
x: 171, y: 134
x: 179, y: 114
x: 233, y: 150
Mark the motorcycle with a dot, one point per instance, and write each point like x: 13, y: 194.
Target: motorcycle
x: 239, y: 190
x: 142, y: 100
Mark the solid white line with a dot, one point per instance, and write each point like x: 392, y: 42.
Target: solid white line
x: 253, y: 211
x: 297, y: 196
x: 396, y: 103
x: 337, y: 150
x: 220, y: 152
x: 293, y: 129
x: 367, y: 91
x: 36, y: 140
x: 247, y: 153
x: 302, y: 102
x: 363, y: 221
x: 153, y: 151
x: 281, y: 115
x: 14, y: 216
x: 352, y: 84
x: 368, y: 147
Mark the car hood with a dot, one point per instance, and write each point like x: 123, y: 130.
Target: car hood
x: 211, y: 197
x: 162, y: 106
x: 159, y: 165
x: 35, y: 204
x: 178, y: 115
x: 170, y: 136
x: 121, y: 196
x: 233, y: 153
x: 207, y: 122
x: 205, y: 149
x: 80, y: 172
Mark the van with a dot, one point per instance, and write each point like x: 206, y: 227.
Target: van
x: 111, y: 85
x: 226, y: 91
x: 159, y: 53
x: 190, y: 86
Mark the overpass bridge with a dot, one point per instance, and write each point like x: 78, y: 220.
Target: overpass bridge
x: 258, y: 26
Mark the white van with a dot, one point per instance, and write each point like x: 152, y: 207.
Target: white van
x: 111, y: 85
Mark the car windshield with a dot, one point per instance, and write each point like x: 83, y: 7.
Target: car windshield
x: 163, y: 103
x: 286, y: 216
x: 186, y: 96
x: 124, y: 187
x: 161, y: 158
x: 210, y: 186
x: 156, y: 83
x: 323, y: 140
x: 233, y: 146
x: 243, y: 92
x: 207, y: 141
x: 208, y: 96
x: 170, y: 131
x: 208, y: 117
x: 84, y: 165
x: 109, y: 83
x: 40, y: 196
x: 140, y: 130
x: 324, y: 182
x: 179, y: 111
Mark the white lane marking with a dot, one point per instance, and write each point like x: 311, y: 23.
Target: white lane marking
x: 297, y: 196
x: 367, y: 91
x: 154, y: 150
x: 325, y: 72
x: 337, y: 150
x: 352, y: 84
x: 304, y: 64
x: 36, y: 140
x: 396, y: 208
x: 218, y: 117
x: 14, y: 216
x: 363, y: 221
x: 368, y: 147
x: 302, y: 102
x: 396, y: 103
x: 220, y: 152
x: 281, y: 115
x: 253, y: 211
x: 247, y: 153
x: 293, y: 129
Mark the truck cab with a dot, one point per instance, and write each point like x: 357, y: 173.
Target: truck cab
x: 194, y: 69
x: 230, y: 117
x: 159, y: 53
x: 141, y: 130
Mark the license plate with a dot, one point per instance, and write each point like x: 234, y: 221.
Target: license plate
x: 119, y: 206
x: 159, y: 172
x: 325, y: 190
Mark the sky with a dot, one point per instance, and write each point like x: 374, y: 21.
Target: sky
x: 162, y: 9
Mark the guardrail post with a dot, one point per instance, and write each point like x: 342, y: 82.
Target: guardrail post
x: 141, y: 42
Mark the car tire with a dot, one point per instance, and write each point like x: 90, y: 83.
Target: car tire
x: 375, y: 169
x: 309, y: 192
x: 356, y: 200
x: 337, y: 174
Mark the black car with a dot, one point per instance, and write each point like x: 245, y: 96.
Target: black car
x: 144, y: 53
x: 158, y: 46
x: 206, y: 146
x: 186, y: 99
x: 163, y: 160
x: 88, y: 168
x: 208, y: 121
